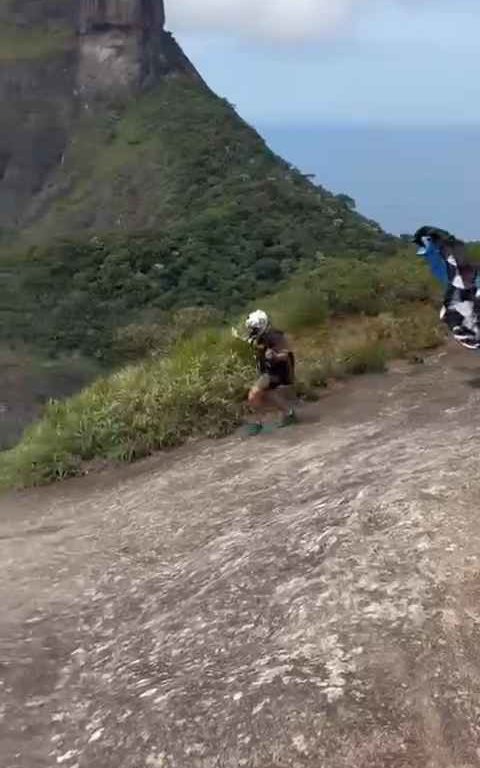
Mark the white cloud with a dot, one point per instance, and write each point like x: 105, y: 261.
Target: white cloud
x: 282, y: 20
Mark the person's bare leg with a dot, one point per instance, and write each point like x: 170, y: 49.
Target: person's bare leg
x: 261, y: 399
x: 279, y: 401
x: 256, y: 401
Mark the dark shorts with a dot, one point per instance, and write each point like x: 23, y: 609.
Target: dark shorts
x: 282, y: 377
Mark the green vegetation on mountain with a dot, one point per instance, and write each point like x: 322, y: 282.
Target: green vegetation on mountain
x: 148, y: 218
x: 180, y: 156
x: 198, y: 386
x: 183, y: 205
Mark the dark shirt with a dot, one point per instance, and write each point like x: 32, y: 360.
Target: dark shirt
x: 275, y: 340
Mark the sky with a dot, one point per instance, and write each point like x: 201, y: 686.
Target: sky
x: 358, y: 61
x: 379, y: 98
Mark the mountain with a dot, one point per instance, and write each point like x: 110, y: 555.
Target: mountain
x: 63, y: 64
x: 127, y: 186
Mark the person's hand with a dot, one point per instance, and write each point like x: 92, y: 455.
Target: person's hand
x: 270, y: 354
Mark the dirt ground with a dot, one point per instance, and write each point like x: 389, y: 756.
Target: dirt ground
x: 309, y: 598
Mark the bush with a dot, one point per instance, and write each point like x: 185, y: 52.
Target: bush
x: 194, y: 385
x: 205, y: 214
x: 268, y: 269
x: 345, y: 287
x: 298, y: 307
x: 140, y: 340
x: 367, y: 357
x: 197, y: 390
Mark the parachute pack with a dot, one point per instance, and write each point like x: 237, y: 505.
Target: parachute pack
x: 446, y: 257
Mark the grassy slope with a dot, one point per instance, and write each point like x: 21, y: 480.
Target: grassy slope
x: 184, y: 205
x: 198, y: 389
x: 190, y: 208
x: 179, y: 153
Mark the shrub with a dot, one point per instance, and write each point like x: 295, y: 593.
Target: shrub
x: 268, y: 269
x: 139, y: 340
x: 197, y: 390
x: 194, y: 385
x: 205, y: 214
x: 298, y: 307
x: 367, y: 357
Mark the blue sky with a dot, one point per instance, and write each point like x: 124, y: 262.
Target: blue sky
x: 377, y: 62
x: 378, y: 98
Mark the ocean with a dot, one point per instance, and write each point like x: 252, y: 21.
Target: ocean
x: 401, y: 177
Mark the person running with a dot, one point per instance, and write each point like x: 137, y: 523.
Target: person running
x: 275, y: 367
x: 448, y: 260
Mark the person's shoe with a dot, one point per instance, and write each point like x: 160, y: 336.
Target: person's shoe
x: 288, y: 420
x: 253, y: 430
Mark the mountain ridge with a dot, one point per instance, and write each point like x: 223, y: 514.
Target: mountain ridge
x: 131, y: 188
x: 82, y: 71
x: 59, y: 62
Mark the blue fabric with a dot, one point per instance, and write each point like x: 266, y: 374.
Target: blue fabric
x: 433, y: 256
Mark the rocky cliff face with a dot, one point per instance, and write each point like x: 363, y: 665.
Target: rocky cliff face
x: 38, y: 108
x: 58, y: 60
x: 123, y: 45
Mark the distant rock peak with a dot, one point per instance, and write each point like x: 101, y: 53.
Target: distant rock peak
x: 124, y: 47
x: 116, y: 48
x: 101, y: 15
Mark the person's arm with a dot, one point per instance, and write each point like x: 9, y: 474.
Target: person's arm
x: 435, y: 260
x: 430, y: 244
x: 279, y: 350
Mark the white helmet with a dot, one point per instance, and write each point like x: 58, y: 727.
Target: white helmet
x: 258, y: 322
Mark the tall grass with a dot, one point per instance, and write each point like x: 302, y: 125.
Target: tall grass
x: 198, y: 389
x: 345, y: 287
x: 354, y: 345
